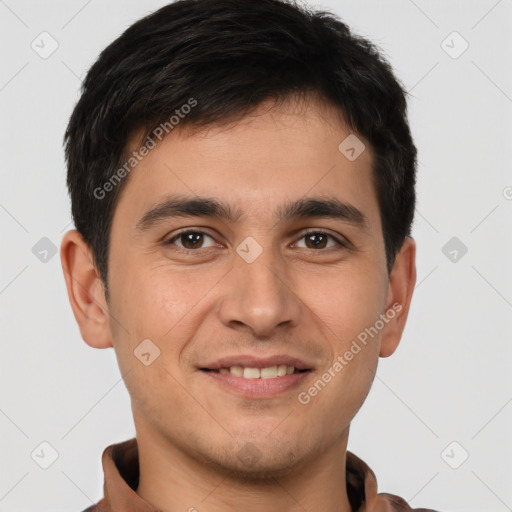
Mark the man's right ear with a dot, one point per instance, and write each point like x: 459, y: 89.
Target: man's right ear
x: 85, y: 290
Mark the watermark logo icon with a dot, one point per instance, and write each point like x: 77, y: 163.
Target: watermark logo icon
x: 44, y: 45
x: 249, y: 249
x: 454, y: 455
x: 352, y: 147
x: 44, y: 455
x: 249, y: 454
x: 454, y: 45
x: 147, y: 352
x: 454, y: 249
x: 44, y: 250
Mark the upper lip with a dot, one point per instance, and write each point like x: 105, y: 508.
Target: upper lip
x: 252, y: 361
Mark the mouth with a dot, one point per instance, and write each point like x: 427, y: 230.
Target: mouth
x: 253, y: 377
x: 253, y: 372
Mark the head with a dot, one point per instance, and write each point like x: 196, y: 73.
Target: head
x: 219, y: 215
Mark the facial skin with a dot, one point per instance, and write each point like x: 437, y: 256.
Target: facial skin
x: 201, y: 440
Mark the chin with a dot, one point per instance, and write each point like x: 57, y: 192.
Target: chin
x: 257, y: 460
x: 264, y: 468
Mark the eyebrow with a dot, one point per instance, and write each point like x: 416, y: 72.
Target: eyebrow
x: 304, y: 208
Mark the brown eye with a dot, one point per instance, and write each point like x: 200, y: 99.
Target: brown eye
x: 316, y: 241
x: 319, y: 240
x: 190, y: 240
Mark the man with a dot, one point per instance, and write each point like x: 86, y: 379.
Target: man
x: 242, y: 183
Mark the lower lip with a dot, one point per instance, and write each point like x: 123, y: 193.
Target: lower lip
x: 258, y: 388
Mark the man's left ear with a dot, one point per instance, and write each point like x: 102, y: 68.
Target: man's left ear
x: 401, y: 287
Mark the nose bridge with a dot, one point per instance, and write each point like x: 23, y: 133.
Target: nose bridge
x: 257, y: 294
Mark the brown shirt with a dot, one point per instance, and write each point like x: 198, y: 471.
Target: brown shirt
x: 121, y: 468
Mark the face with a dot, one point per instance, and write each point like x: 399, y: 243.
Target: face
x: 280, y: 266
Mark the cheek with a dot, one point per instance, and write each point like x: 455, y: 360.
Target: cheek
x: 347, y: 307
x: 160, y: 303
x: 345, y: 302
x: 152, y: 299
x: 157, y: 305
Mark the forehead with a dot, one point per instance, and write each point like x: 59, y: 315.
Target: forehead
x: 275, y: 154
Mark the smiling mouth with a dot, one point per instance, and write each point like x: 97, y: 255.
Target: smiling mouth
x: 269, y: 372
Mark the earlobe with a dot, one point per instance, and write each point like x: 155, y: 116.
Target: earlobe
x: 85, y: 291
x: 401, y: 287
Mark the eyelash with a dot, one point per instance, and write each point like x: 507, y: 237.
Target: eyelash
x: 197, y: 231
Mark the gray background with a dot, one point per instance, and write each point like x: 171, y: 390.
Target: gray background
x: 450, y: 380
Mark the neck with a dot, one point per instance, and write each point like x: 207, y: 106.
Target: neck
x: 171, y: 480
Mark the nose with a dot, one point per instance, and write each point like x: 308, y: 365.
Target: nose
x: 258, y: 297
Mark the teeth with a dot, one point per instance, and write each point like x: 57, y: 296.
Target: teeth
x: 237, y: 371
x: 281, y: 370
x: 269, y: 372
x: 252, y: 373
